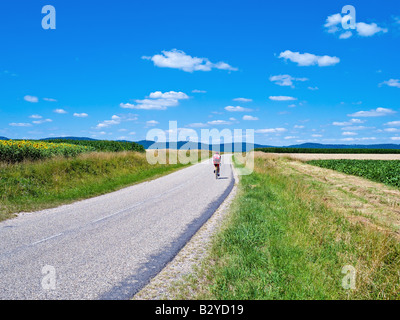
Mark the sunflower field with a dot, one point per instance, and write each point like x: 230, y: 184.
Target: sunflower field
x: 19, y: 150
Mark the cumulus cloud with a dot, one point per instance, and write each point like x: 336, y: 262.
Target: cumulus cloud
x: 157, y: 101
x: 243, y: 100
x: 219, y: 122
x: 237, y: 109
x: 271, y: 130
x: 309, y: 59
x: 42, y: 121
x: 14, y: 124
x: 178, y: 59
x: 249, y: 118
x: 393, y: 123
x: 151, y: 123
x: 333, y: 24
x: 81, y: 115
x: 31, y: 99
x: 282, y: 98
x: 35, y: 116
x: 285, y: 80
x: 378, y: 112
x: 391, y: 83
x: 348, y: 123
x: 60, y: 111
x: 368, y: 30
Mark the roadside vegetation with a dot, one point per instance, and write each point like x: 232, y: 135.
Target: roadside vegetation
x: 328, y: 150
x: 103, y: 145
x: 19, y: 150
x: 33, y: 185
x: 385, y: 171
x: 291, y: 235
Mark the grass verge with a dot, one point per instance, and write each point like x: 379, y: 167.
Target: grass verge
x: 31, y: 186
x: 283, y: 242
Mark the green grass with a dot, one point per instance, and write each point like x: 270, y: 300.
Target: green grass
x: 282, y: 242
x: 30, y: 186
x: 384, y: 171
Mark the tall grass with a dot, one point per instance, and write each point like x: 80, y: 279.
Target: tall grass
x: 282, y: 242
x: 30, y: 186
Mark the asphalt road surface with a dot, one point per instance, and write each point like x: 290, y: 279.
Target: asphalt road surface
x: 110, y: 246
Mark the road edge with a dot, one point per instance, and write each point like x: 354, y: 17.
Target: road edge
x: 191, y: 255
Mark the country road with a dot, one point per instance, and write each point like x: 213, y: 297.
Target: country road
x: 110, y: 246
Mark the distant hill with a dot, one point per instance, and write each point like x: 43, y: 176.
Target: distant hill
x: 231, y: 147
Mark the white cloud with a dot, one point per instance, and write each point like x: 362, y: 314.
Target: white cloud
x: 168, y: 95
x: 197, y: 125
x: 60, y: 111
x: 243, y: 100
x: 391, y: 130
x: 198, y: 91
x: 282, y: 98
x: 13, y: 124
x: 42, y: 121
x: 348, y: 123
x: 271, y: 130
x: 50, y: 99
x: 157, y: 101
x: 368, y: 30
x: 393, y: 123
x: 107, y: 123
x: 285, y: 80
x: 31, y: 99
x: 219, y: 122
x: 249, y: 118
x: 391, y: 83
x: 151, y: 123
x: 316, y: 135
x: 334, y: 24
x: 313, y: 88
x: 237, y: 109
x: 356, y: 128
x: 178, y: 59
x: 349, y: 133
x: 309, y: 59
x: 298, y: 127
x: 378, y: 112
x: 332, y: 21
x: 35, y: 116
x: 81, y: 115
x: 346, y: 35
x: 395, y: 138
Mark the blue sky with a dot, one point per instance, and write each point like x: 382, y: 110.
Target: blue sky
x: 116, y: 69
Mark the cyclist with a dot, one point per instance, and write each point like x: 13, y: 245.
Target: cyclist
x: 217, y: 161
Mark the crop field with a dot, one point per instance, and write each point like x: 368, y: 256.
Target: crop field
x: 20, y: 150
x: 329, y: 151
x: 384, y: 171
x: 103, y: 145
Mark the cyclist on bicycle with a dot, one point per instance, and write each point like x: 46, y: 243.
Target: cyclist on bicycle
x: 217, y: 161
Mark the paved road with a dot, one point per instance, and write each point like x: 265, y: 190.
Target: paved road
x: 110, y: 246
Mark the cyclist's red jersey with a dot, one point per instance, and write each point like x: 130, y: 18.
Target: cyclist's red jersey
x: 216, y: 159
